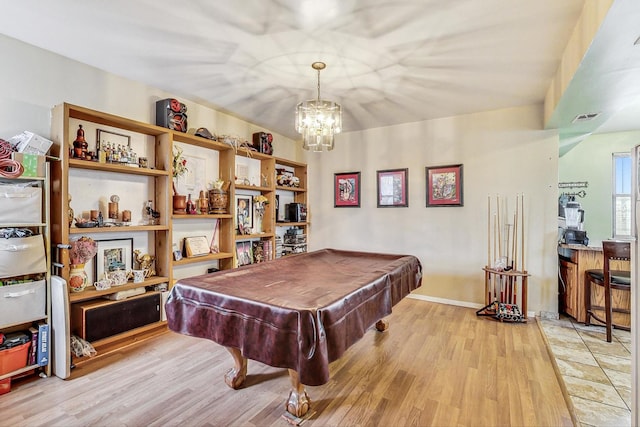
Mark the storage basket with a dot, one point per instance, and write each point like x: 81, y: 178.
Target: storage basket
x: 22, y: 255
x: 20, y: 204
x: 14, y: 358
x: 22, y: 303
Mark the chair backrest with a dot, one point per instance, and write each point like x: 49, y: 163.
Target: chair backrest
x: 615, y: 251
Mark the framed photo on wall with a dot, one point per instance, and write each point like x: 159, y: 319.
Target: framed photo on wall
x: 346, y: 190
x: 444, y: 185
x: 116, y: 254
x: 244, y: 213
x: 393, y: 185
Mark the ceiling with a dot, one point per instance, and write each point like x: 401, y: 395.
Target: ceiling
x: 388, y: 62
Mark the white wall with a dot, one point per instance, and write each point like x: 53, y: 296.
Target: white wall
x: 503, y: 152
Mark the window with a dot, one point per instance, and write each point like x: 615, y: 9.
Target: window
x: 621, y: 195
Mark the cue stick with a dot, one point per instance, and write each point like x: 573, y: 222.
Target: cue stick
x: 522, y: 240
x: 488, y: 230
x: 499, y: 226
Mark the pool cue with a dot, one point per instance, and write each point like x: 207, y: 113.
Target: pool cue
x: 499, y: 226
x: 490, y: 278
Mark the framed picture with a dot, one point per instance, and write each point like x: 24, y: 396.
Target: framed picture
x: 116, y: 254
x: 444, y: 185
x: 346, y: 190
x: 244, y: 213
x: 111, y: 138
x: 196, y: 246
x: 393, y: 187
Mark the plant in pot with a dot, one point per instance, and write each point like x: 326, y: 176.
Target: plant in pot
x: 179, y: 168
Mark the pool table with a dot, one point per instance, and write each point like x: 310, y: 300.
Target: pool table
x: 300, y: 312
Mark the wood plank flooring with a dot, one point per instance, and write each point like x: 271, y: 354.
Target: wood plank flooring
x: 437, y: 365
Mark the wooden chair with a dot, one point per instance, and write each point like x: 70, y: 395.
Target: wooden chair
x: 609, y: 279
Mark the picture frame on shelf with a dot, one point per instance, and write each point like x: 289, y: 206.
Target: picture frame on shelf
x: 113, y: 254
x: 444, y: 185
x: 113, y: 138
x: 393, y: 188
x: 196, y: 246
x: 244, y: 213
x: 346, y: 190
x: 244, y: 253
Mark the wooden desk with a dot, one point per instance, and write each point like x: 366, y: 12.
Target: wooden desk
x: 574, y: 260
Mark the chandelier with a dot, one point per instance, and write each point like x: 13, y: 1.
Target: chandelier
x: 318, y: 120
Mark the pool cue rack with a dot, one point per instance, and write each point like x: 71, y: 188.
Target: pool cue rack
x: 505, y: 276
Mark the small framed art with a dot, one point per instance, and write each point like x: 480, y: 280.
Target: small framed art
x: 393, y: 188
x: 444, y: 185
x: 346, y: 190
x: 116, y: 254
x: 244, y: 213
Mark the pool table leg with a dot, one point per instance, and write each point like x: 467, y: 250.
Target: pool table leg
x: 382, y: 325
x: 298, y: 403
x: 236, y: 375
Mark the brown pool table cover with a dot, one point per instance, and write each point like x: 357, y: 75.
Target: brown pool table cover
x: 299, y: 312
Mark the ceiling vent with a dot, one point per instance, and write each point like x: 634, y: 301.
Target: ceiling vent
x: 585, y: 117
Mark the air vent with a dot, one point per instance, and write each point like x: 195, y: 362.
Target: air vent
x: 585, y: 117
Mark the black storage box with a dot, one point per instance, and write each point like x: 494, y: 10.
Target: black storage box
x: 97, y: 319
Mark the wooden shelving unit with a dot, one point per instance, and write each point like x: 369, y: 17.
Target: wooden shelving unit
x: 86, y: 181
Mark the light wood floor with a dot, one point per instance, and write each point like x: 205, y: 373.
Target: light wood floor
x: 436, y: 365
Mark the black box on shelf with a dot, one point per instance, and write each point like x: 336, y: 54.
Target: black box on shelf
x: 263, y: 142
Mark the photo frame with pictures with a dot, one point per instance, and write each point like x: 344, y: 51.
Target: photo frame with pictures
x: 346, y: 190
x: 244, y: 213
x: 444, y: 185
x: 113, y: 254
x: 393, y: 188
x: 112, y: 138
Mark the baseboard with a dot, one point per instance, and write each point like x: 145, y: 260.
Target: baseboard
x: 457, y: 303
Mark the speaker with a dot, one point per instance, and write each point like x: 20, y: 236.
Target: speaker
x: 172, y: 114
x: 97, y: 319
x: 263, y: 142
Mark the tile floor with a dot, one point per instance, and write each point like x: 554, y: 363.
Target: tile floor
x: 596, y: 374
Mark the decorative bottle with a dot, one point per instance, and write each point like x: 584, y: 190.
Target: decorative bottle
x: 191, y: 206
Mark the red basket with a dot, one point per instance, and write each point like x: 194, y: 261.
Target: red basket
x: 14, y: 358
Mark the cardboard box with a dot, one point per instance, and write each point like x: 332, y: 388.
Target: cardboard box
x: 30, y: 143
x: 33, y: 164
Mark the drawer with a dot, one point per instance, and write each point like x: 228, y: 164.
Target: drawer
x: 22, y: 255
x: 20, y: 204
x: 22, y: 303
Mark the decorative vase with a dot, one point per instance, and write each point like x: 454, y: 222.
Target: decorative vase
x: 257, y: 229
x: 179, y: 204
x: 78, y: 279
x: 218, y: 201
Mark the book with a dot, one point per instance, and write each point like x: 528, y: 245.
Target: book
x: 33, y: 350
x: 43, y: 345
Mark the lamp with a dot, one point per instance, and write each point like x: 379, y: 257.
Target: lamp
x: 318, y: 120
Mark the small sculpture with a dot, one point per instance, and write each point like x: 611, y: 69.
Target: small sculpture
x: 80, y: 145
x: 145, y: 262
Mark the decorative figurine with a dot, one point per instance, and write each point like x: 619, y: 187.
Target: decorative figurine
x: 80, y: 145
x: 145, y: 262
x: 70, y: 213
